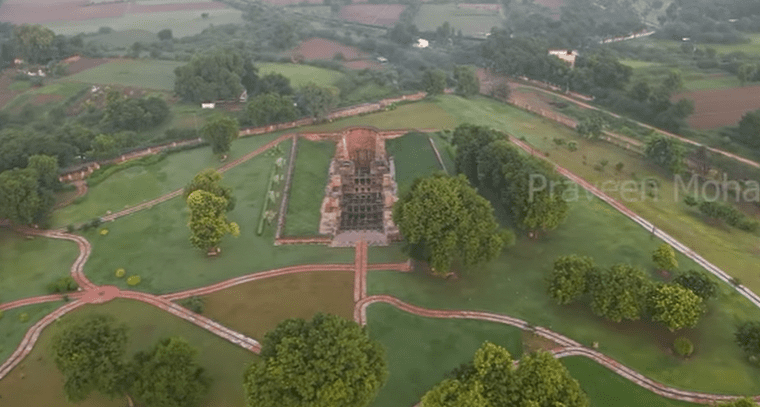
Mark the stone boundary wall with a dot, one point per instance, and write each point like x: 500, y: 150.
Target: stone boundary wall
x: 326, y: 240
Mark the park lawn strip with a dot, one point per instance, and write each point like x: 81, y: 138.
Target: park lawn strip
x: 143, y: 73
x: 310, y: 177
x: 413, y: 157
x: 12, y: 330
x: 275, y: 299
x: 421, y: 350
x: 446, y: 150
x: 300, y: 75
x: 417, y: 115
x: 732, y: 250
x: 515, y: 284
x: 608, y: 389
x: 28, y: 265
x: 143, y: 183
x: 42, y: 384
x: 154, y: 242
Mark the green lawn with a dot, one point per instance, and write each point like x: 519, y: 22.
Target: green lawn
x: 182, y: 23
x: 124, y: 38
x: 446, y: 150
x: 308, y: 187
x: 300, y: 75
x: 420, y: 351
x: 275, y: 299
x: 607, y: 389
x: 730, y: 249
x: 37, y: 382
x: 470, y: 21
x: 143, y: 73
x: 413, y: 157
x: 142, y: 183
x: 28, y: 265
x: 12, y: 330
x: 154, y: 243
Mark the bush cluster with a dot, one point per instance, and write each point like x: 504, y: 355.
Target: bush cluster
x: 133, y: 280
x: 683, y: 347
x: 62, y: 285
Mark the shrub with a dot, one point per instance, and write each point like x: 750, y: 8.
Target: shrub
x: 195, y: 304
x: 619, y: 167
x: 133, y: 280
x: 120, y: 272
x: 103, y: 232
x: 690, y: 201
x: 572, y: 146
x: 23, y: 317
x: 95, y: 222
x: 70, y: 228
x: 62, y: 285
x: 683, y: 346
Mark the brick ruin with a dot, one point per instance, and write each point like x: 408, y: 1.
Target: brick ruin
x: 361, y: 189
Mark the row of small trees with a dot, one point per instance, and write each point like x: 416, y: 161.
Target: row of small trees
x: 625, y: 292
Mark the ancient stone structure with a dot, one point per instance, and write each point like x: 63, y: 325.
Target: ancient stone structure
x: 361, y: 189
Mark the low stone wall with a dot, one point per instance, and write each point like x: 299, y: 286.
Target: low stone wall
x: 326, y: 240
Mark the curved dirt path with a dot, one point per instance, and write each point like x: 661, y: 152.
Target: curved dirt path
x: 569, y: 347
x: 81, y: 187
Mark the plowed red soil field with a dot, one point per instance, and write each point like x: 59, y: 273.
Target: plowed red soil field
x: 715, y: 108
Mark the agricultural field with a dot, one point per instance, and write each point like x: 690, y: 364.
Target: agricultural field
x: 714, y: 108
x: 372, y: 14
x: 323, y: 49
x: 149, y: 74
x: 472, y: 21
x: 751, y: 48
x: 43, y: 96
x: 300, y: 75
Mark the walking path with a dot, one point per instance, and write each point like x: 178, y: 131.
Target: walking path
x: 81, y: 190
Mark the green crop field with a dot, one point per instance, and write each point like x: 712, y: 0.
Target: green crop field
x: 150, y: 74
x: 300, y: 75
x: 470, y: 21
x: 46, y: 95
x: 182, y: 23
x: 751, y: 48
x: 310, y: 176
x: 37, y: 382
x: 124, y: 38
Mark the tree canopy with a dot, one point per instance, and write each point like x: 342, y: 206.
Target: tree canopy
x: 619, y: 293
x: 168, y: 375
x: 447, y: 220
x: 666, y: 152
x: 569, y: 278
x: 208, y: 220
x: 492, y: 380
x: 747, y: 336
x: 210, y: 76
x: 210, y: 180
x: 699, y: 283
x: 270, y: 108
x: 327, y: 361
x: 675, y: 307
x: 20, y: 200
x: 220, y: 131
x: 316, y: 101
x: 89, y: 352
x: 434, y: 81
x: 665, y: 257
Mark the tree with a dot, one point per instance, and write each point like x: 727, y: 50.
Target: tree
x: 20, y: 200
x: 675, y: 307
x: 220, y: 131
x: 434, y: 81
x: 47, y: 170
x: 445, y: 219
x: 665, y: 257
x: 591, y: 127
x: 501, y: 91
x: 103, y: 146
x: 452, y: 392
x: 208, y: 221
x: 316, y: 101
x: 467, y: 82
x: 209, y: 76
x: 328, y: 361
x: 749, y: 129
x: 33, y: 42
x: 403, y: 33
x: 270, y: 108
x: 619, y: 293
x: 165, y: 34
x: 747, y: 336
x: 699, y: 283
x: 746, y: 72
x: 469, y: 140
x: 89, y: 352
x: 666, y: 152
x: 569, y: 278
x: 273, y: 83
x: 168, y: 375
x: 210, y: 180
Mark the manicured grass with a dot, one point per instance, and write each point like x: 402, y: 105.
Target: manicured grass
x: 413, y: 157
x: 12, y: 330
x: 446, y: 150
x: 420, y: 351
x: 143, y: 73
x: 28, y: 265
x: 730, y: 249
x: 142, y: 183
x: 470, y: 21
x: 515, y: 284
x: 300, y: 75
x: 607, y: 389
x: 308, y: 188
x: 154, y: 243
x: 125, y: 38
x: 182, y: 23
x: 37, y: 382
x: 257, y: 307
x: 419, y: 115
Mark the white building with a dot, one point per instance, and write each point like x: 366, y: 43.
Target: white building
x: 421, y: 43
x: 566, y: 55
x: 210, y: 105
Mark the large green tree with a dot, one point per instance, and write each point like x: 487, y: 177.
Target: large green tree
x: 569, y: 278
x: 210, y: 76
x: 665, y: 257
x: 325, y: 362
x: 747, y: 336
x: 168, y: 375
x: 666, y: 152
x: 434, y: 81
x: 467, y: 81
x: 20, y: 200
x: 33, y: 42
x: 446, y: 219
x: 270, y: 108
x: 47, y: 170
x: 317, y: 101
x: 89, y: 352
x: 210, y: 180
x: 619, y: 293
x: 208, y: 220
x: 219, y: 131
x: 749, y: 129
x: 469, y: 141
x: 675, y: 307
x: 699, y: 283
x: 491, y: 380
